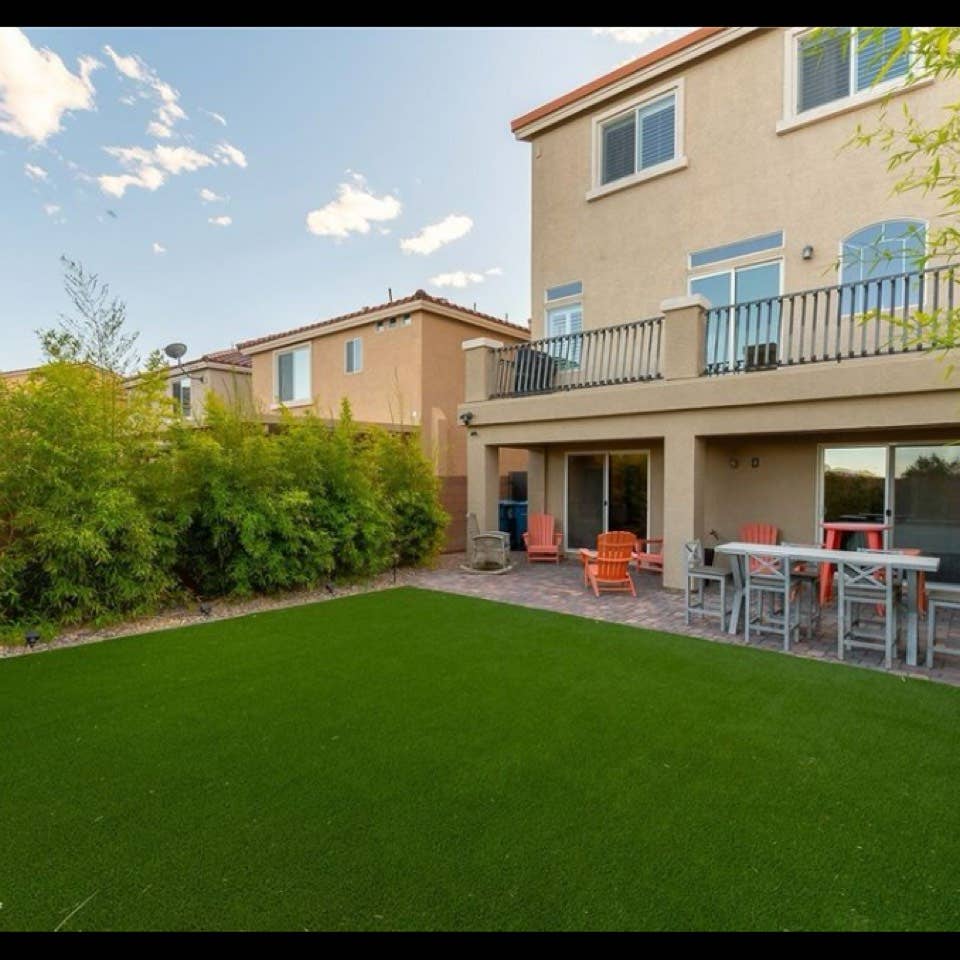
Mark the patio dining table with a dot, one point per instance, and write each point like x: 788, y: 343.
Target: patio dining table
x: 910, y: 563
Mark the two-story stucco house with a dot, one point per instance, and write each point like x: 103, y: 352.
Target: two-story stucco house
x: 704, y: 252
x: 225, y: 373
x: 400, y: 365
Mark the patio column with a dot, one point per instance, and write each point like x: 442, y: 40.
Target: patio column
x: 684, y: 463
x: 483, y: 481
x: 684, y: 336
x: 536, y: 480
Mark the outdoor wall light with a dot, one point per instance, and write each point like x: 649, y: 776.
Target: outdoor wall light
x: 466, y: 418
x: 755, y: 462
x: 734, y: 463
x: 807, y: 252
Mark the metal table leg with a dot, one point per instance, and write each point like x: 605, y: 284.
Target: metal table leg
x: 912, y: 619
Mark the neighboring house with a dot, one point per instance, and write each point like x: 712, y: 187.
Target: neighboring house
x: 694, y: 215
x: 399, y: 364
x: 226, y: 373
x: 12, y: 377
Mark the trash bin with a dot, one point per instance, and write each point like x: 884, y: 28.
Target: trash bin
x: 513, y: 520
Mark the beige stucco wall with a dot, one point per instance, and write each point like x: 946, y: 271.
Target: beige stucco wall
x: 232, y: 386
x: 630, y: 247
x: 386, y: 390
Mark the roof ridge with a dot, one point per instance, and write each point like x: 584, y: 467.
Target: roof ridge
x: 418, y: 295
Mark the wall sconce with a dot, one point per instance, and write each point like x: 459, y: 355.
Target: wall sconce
x: 807, y: 252
x: 734, y: 463
x: 754, y: 462
x: 466, y: 418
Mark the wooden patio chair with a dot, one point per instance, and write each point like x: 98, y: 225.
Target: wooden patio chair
x: 758, y: 533
x: 610, y: 569
x: 541, y: 540
x: 649, y: 554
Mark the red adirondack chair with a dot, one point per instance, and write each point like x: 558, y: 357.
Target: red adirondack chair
x: 610, y: 569
x: 541, y: 541
x: 649, y: 554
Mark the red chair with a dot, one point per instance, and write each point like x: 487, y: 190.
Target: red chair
x: 649, y: 554
x: 758, y: 533
x: 541, y: 541
x: 610, y: 569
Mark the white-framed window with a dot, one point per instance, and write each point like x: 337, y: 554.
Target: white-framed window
x: 638, y: 140
x: 562, y: 321
x: 743, y: 325
x: 880, y: 264
x: 831, y: 69
x: 292, y: 375
x: 353, y: 355
x: 181, y: 396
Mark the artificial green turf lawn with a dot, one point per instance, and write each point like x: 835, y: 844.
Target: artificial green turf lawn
x: 410, y: 759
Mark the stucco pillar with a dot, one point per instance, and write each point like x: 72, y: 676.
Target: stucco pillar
x: 684, y: 335
x: 483, y: 481
x: 478, y: 353
x: 684, y: 464
x: 536, y: 480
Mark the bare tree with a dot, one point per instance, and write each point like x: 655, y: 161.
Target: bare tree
x: 95, y: 332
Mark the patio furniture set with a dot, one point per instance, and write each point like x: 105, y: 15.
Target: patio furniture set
x: 781, y: 588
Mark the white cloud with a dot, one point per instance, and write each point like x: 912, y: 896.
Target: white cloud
x: 459, y: 278
x: 159, y: 248
x: 34, y: 172
x: 50, y: 209
x: 353, y: 210
x: 208, y: 196
x: 168, y: 110
x: 494, y: 272
x: 220, y: 221
x: 128, y: 101
x: 149, y: 168
x: 436, y: 235
x: 149, y: 178
x: 36, y: 89
x: 640, y: 35
x: 157, y: 129
x: 227, y: 153
x: 219, y: 117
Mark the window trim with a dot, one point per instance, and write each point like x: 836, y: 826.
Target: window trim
x: 764, y: 253
x: 358, y: 353
x: 791, y: 119
x: 277, y: 402
x: 678, y: 162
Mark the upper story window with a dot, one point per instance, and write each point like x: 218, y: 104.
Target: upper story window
x: 639, y: 141
x: 831, y: 69
x: 353, y: 355
x: 181, y: 396
x: 293, y: 375
x: 565, y: 317
x: 876, y: 260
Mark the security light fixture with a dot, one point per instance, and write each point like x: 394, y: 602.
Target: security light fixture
x: 755, y: 462
x: 734, y: 463
x: 466, y: 418
x: 807, y: 252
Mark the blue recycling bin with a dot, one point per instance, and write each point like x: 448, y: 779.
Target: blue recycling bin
x: 513, y: 520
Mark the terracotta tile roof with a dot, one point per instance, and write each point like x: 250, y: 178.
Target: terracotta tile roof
x: 233, y: 357
x: 634, y: 66
x: 419, y: 295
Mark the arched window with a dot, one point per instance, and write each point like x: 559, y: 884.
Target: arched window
x: 876, y: 261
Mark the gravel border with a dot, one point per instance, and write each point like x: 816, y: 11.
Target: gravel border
x: 229, y: 609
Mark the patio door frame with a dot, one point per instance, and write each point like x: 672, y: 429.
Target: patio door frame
x: 606, y: 454
x: 889, y: 486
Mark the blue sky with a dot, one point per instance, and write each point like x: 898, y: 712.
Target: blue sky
x: 340, y: 162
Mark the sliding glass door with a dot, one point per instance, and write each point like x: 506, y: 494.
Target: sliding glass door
x: 605, y: 491
x: 914, y: 487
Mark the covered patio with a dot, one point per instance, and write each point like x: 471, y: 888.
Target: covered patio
x: 559, y: 587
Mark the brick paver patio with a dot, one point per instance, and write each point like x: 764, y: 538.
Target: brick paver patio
x: 560, y: 588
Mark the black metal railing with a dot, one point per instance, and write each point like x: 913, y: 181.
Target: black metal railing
x: 885, y: 315
x: 627, y: 353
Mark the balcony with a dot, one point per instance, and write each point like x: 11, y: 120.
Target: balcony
x: 877, y: 317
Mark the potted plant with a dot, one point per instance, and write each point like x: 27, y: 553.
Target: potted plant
x: 708, y: 552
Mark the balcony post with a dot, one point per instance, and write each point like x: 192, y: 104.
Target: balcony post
x: 479, y: 380
x: 684, y: 333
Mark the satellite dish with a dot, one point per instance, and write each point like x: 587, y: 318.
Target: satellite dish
x: 175, y: 351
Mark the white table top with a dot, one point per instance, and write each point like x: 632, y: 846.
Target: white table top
x: 902, y: 561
